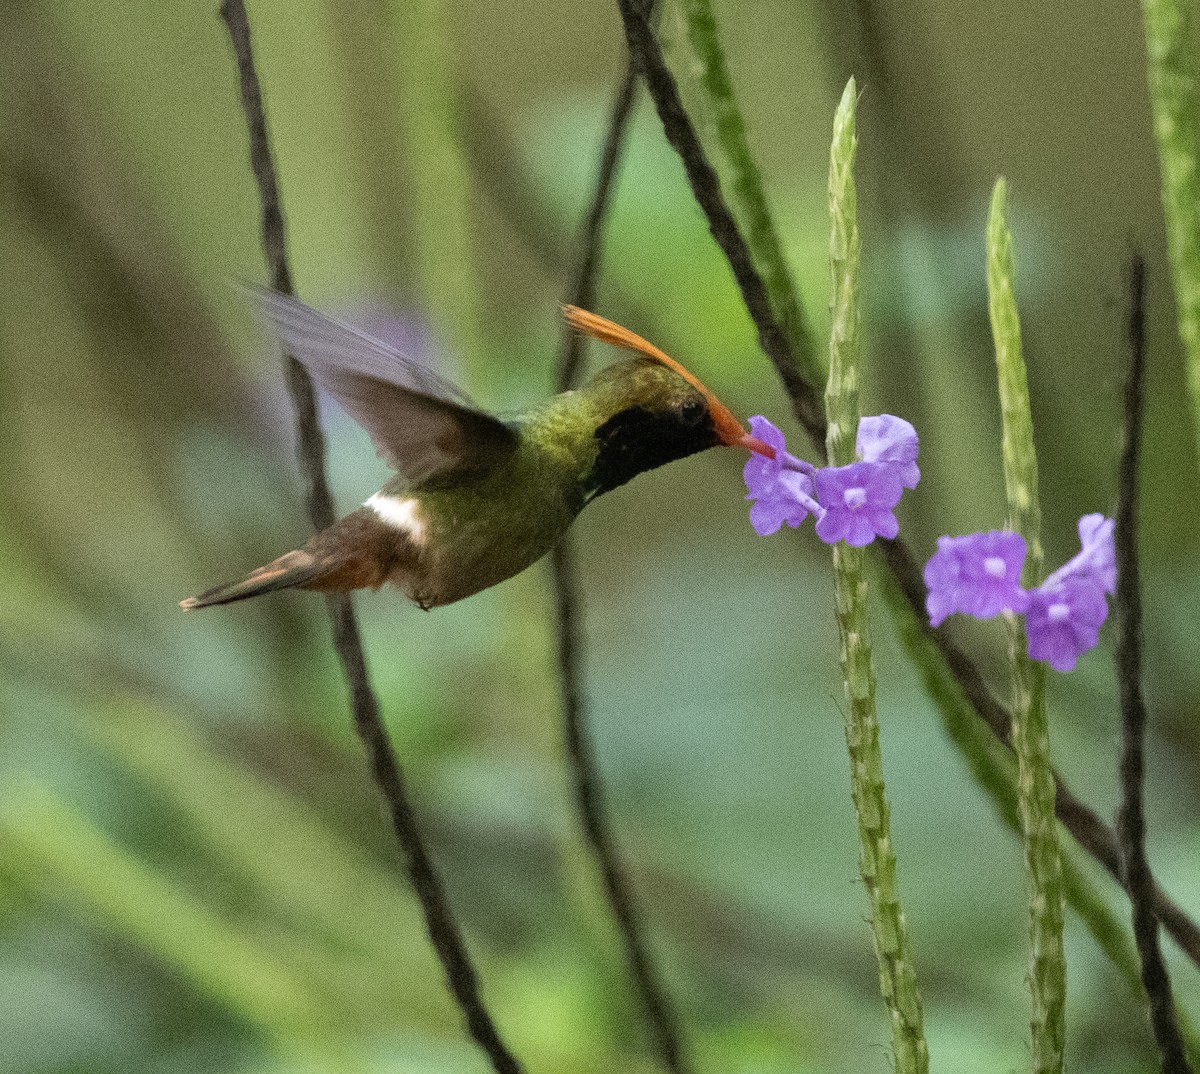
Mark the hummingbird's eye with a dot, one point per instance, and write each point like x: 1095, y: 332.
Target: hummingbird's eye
x: 692, y: 411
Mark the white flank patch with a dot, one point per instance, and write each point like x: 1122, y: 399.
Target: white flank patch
x: 400, y: 512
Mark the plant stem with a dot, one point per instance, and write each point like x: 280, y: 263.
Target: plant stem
x: 877, y: 861
x: 993, y: 768
x: 440, y: 922
x: 1030, y: 736
x: 587, y: 787
x: 746, y: 187
x: 1131, y: 817
x: 706, y: 186
x: 1172, y: 27
x: 1096, y: 837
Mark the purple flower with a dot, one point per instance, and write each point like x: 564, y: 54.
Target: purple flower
x: 850, y: 503
x: 760, y: 470
x: 1067, y: 610
x: 782, y: 494
x: 979, y: 575
x: 1064, y: 619
x: 1097, y: 560
x: 786, y: 502
x: 858, y: 501
x: 886, y: 438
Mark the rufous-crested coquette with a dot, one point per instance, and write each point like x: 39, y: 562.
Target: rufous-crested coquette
x: 476, y: 498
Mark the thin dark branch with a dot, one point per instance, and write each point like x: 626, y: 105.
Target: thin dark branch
x: 586, y: 271
x: 1131, y: 819
x: 588, y: 791
x: 439, y: 920
x: 706, y: 186
x: 1096, y: 837
x: 310, y: 442
x: 589, y: 799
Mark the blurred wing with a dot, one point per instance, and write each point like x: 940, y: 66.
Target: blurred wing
x: 419, y: 422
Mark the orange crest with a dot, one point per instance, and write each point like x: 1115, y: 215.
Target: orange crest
x: 729, y: 429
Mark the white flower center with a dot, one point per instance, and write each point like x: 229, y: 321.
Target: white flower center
x: 995, y: 567
x: 1058, y: 613
x: 854, y: 498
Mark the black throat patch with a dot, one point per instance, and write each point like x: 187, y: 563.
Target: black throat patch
x: 635, y: 440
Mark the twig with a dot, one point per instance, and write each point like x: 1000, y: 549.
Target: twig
x: 1096, y: 837
x: 589, y: 796
x: 439, y: 919
x: 1131, y: 820
x: 706, y: 186
x: 586, y: 270
x: 589, y: 799
x: 747, y: 194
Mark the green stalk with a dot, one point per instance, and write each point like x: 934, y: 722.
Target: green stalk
x: 1031, y: 742
x: 1172, y: 27
x: 897, y: 976
x: 959, y: 718
x: 749, y: 199
x: 993, y: 769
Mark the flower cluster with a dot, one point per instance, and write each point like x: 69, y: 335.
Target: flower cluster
x: 980, y: 575
x: 849, y: 503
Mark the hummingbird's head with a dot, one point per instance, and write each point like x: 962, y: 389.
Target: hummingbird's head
x: 658, y: 411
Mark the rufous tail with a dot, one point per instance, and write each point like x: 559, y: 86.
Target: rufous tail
x: 295, y: 569
x: 356, y: 552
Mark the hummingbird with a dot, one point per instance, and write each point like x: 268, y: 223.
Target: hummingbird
x: 476, y: 499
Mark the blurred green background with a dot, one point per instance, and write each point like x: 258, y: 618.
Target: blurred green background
x: 195, y: 873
